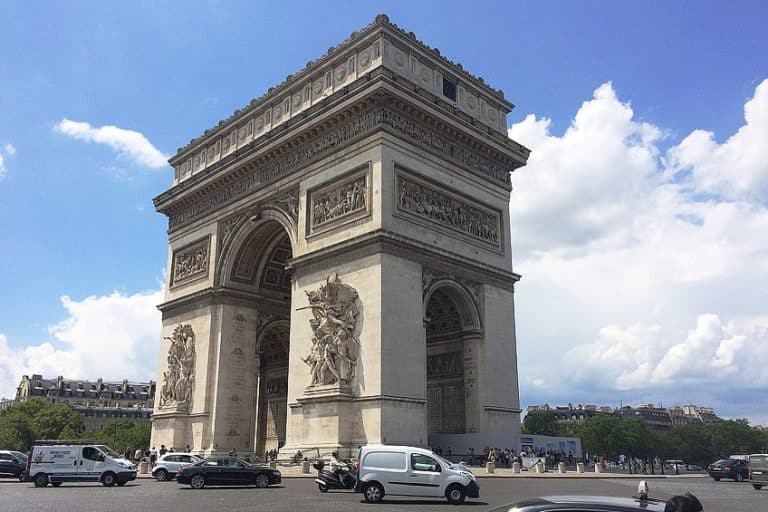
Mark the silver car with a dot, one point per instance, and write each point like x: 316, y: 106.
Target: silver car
x: 168, y: 465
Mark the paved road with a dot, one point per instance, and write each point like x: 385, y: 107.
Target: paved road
x: 301, y: 495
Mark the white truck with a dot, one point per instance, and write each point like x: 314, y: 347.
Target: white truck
x: 59, y: 463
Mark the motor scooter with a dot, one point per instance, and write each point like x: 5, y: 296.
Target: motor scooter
x: 343, y: 479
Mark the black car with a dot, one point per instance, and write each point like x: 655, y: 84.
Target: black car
x: 729, y: 468
x: 602, y: 504
x: 13, y: 464
x: 227, y: 471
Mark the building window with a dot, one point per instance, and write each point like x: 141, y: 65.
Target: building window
x: 449, y: 89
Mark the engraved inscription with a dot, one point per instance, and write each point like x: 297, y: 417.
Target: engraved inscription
x: 445, y: 209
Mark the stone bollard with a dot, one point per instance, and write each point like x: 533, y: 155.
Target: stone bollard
x: 540, y: 468
x: 273, y: 464
x: 579, y: 467
x: 516, y: 468
x: 598, y: 468
x: 305, y: 467
x: 561, y: 468
x: 144, y: 467
x: 490, y: 467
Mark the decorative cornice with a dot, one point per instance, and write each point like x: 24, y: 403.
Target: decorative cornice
x: 379, y: 241
x: 386, y: 113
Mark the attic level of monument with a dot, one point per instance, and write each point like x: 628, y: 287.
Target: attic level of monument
x: 382, y: 48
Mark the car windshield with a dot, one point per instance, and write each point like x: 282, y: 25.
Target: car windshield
x: 446, y: 463
x: 109, y: 451
x: 724, y: 461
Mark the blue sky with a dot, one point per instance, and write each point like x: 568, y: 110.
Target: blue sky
x: 659, y: 267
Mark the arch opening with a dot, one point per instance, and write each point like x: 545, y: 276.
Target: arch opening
x: 451, y: 386
x: 258, y: 266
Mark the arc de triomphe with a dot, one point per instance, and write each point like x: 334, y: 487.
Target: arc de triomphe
x: 340, y: 260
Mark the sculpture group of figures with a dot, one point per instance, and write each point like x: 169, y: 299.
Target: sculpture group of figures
x: 423, y: 201
x: 341, y: 201
x: 335, y: 349
x: 190, y: 262
x: 180, y: 378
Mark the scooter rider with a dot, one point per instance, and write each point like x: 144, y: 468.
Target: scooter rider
x: 337, y: 465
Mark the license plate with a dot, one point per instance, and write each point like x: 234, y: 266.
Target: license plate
x: 757, y: 472
x: 717, y: 468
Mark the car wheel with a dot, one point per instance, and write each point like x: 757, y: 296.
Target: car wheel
x: 22, y: 476
x: 455, y: 494
x: 373, y: 492
x: 262, y: 480
x: 41, y: 480
x: 739, y: 477
x: 322, y: 487
x: 197, y: 481
x: 717, y: 478
x: 108, y: 479
x: 757, y: 486
x: 161, y: 475
x: 56, y: 484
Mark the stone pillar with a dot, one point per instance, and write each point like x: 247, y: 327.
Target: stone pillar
x: 516, y: 468
x: 473, y: 354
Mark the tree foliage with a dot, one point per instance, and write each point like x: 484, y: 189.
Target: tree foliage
x: 124, y: 435
x: 24, y: 422
x: 696, y: 444
x: 541, y: 423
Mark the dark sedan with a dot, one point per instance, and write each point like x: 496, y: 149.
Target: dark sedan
x: 736, y: 469
x: 582, y: 503
x: 227, y: 471
x: 13, y: 464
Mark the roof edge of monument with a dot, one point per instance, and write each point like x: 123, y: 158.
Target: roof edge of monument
x: 381, y: 20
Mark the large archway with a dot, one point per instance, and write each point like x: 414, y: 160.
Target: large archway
x: 451, y: 364
x: 258, y: 266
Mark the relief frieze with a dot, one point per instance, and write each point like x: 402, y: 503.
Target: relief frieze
x: 448, y: 209
x: 343, y: 202
x: 191, y: 262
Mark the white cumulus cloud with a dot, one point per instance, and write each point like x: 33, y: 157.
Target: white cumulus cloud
x: 112, y: 336
x: 128, y: 143
x: 647, y: 253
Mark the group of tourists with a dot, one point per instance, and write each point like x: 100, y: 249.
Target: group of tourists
x: 145, y: 454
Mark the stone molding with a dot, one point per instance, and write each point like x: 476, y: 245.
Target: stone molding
x: 344, y: 200
x: 384, y: 241
x: 499, y: 408
x: 214, y: 297
x: 398, y: 118
x: 422, y: 200
x: 191, y: 262
x: 430, y: 276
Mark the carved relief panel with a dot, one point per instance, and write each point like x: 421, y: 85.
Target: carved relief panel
x: 190, y: 263
x: 345, y: 200
x: 179, y: 379
x: 419, y: 199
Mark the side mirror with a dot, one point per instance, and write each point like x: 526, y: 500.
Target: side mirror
x: 435, y: 468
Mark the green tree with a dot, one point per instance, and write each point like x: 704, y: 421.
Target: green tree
x: 124, y: 435
x: 541, y: 423
x: 24, y: 422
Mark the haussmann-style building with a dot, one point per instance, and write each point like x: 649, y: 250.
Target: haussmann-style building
x: 340, y: 260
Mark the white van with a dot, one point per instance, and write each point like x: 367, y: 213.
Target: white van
x: 56, y: 464
x: 410, y: 471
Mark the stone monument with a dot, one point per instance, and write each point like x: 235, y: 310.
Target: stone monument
x: 340, y: 260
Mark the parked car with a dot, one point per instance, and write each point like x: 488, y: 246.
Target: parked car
x: 758, y: 470
x: 729, y: 468
x: 168, y: 465
x: 59, y: 463
x: 410, y: 471
x: 226, y: 471
x: 13, y: 464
